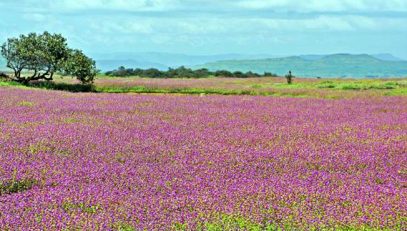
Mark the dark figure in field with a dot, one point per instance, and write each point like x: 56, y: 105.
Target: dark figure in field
x: 289, y: 77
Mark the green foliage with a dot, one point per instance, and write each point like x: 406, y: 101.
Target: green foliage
x: 182, y: 72
x: 236, y: 222
x: 63, y: 86
x: 193, y: 91
x: 15, y: 186
x: 179, y: 227
x: 121, y: 226
x: 326, y: 84
x: 360, y: 85
x: 40, y: 56
x: 25, y: 104
x: 80, y: 66
x: 332, y: 89
x: 70, y: 207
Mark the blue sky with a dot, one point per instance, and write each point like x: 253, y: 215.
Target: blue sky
x: 276, y: 27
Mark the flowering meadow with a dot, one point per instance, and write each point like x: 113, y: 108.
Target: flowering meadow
x: 273, y: 86
x: 96, y: 161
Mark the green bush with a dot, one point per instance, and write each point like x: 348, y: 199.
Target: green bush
x: 63, y: 86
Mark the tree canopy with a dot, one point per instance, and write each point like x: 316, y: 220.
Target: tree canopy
x: 40, y: 56
x: 182, y: 72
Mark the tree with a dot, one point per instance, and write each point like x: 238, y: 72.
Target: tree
x: 152, y: 73
x: 39, y: 55
x: 80, y: 66
x: 11, y: 51
x: 223, y: 73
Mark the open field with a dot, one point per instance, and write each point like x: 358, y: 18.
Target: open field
x: 157, y: 162
x: 320, y: 88
x: 302, y: 87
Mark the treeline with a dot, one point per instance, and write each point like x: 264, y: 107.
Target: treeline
x: 182, y: 72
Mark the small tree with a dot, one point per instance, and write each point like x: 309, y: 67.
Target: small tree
x: 41, y: 56
x: 289, y: 77
x: 80, y: 66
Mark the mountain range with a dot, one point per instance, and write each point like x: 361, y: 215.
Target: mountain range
x: 336, y: 65
x: 162, y: 61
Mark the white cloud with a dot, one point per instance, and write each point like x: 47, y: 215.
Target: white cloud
x: 240, y: 26
x: 325, y: 5
x: 134, y: 5
x: 221, y: 5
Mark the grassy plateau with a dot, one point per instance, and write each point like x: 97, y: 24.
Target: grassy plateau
x: 269, y: 86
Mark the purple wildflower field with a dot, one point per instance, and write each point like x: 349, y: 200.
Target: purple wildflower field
x: 157, y: 162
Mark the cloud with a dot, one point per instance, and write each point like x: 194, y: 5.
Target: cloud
x: 215, y: 5
x: 236, y: 26
x: 198, y: 25
x: 325, y: 6
x: 127, y: 5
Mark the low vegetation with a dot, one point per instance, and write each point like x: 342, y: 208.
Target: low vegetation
x: 315, y: 88
x: 182, y: 72
x: 15, y: 186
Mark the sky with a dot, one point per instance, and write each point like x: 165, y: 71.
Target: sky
x: 198, y: 27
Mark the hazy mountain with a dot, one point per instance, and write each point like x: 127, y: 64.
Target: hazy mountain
x: 159, y: 60
x: 387, y: 57
x: 107, y: 64
x: 383, y: 56
x: 338, y: 65
x: 311, y: 57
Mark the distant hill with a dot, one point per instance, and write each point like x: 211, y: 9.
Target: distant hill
x: 162, y: 61
x: 383, y: 56
x: 111, y: 64
x: 337, y: 65
x: 387, y: 57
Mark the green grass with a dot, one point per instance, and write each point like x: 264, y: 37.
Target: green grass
x: 143, y: 89
x: 15, y: 186
x: 294, y: 85
x: 70, y: 207
x: 397, y: 92
x: 63, y: 86
x: 333, y: 88
x: 238, y: 222
x: 194, y: 91
x: 10, y: 84
x: 362, y: 85
x: 121, y: 226
x: 25, y: 104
